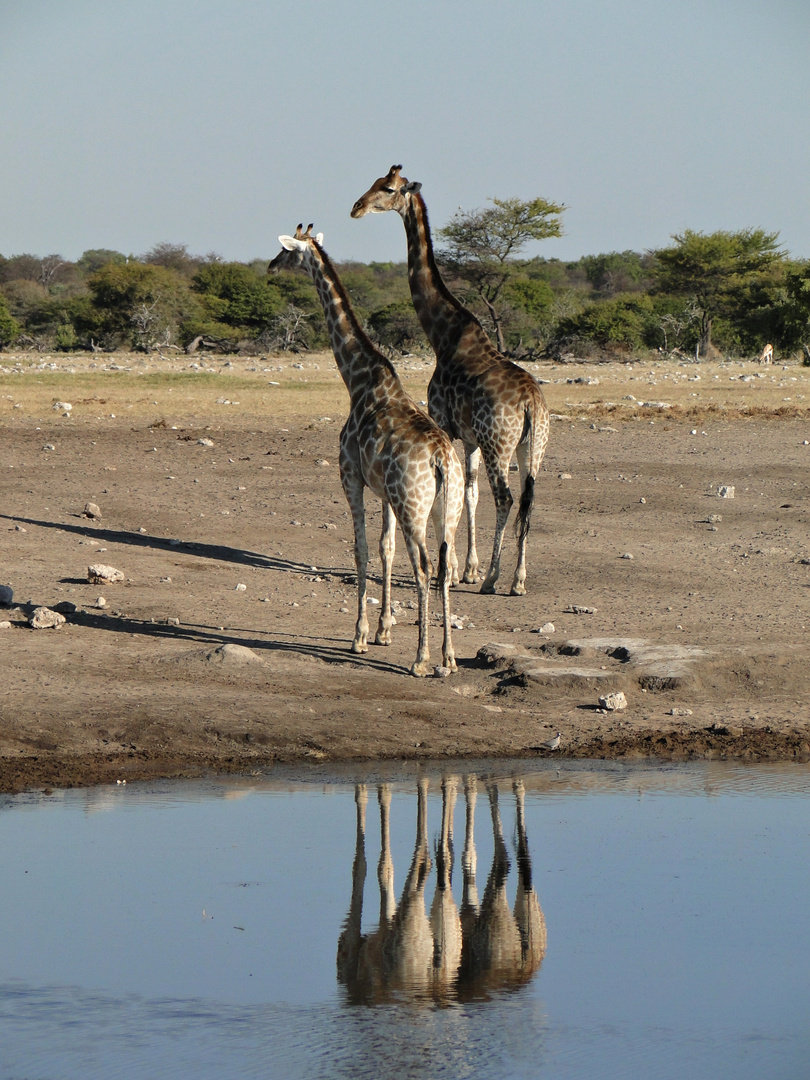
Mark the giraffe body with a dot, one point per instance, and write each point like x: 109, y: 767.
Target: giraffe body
x: 492, y: 405
x: 390, y: 446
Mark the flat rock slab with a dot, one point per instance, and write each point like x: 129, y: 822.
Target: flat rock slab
x: 629, y: 661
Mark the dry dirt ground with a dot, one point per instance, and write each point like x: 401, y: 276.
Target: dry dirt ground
x: 699, y: 603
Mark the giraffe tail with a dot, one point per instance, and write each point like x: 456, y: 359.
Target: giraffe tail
x: 524, y: 515
x: 442, y: 468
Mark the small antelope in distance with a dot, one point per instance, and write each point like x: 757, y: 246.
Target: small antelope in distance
x: 476, y: 395
x: 391, y: 446
x: 766, y: 356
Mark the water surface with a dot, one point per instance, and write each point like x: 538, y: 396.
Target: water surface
x: 557, y: 921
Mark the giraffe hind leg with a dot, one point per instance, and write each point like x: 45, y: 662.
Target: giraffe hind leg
x: 499, y: 482
x: 524, y: 517
x: 387, y: 546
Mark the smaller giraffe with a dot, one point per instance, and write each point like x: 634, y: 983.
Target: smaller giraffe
x: 391, y: 446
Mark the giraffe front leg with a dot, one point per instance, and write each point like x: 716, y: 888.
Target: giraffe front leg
x: 387, y: 546
x: 472, y: 458
x: 499, y: 482
x: 354, y: 490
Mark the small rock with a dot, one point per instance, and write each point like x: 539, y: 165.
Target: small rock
x: 440, y: 672
x: 726, y: 491
x: 205, y: 442
x: 62, y: 406
x: 627, y: 555
x: 43, y: 619
x: 101, y: 602
x: 172, y: 621
x: 65, y: 607
x: 240, y: 588
x: 642, y: 500
x: 5, y: 625
x: 99, y: 573
x: 91, y: 511
x: 712, y: 518
x: 564, y: 476
x: 579, y: 609
x: 613, y: 702
x: 142, y: 529
x: 6, y: 595
x: 676, y: 711
x: 19, y: 528
x: 322, y: 462
x: 233, y: 654
x: 546, y: 628
x: 48, y: 446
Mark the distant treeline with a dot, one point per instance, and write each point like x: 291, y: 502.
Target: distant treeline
x: 731, y: 292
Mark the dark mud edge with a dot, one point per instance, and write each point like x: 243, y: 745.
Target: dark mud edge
x: 54, y: 770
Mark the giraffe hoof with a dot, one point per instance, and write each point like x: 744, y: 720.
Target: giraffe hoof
x: 470, y: 577
x: 359, y: 647
x: 488, y: 588
x: 519, y: 589
x: 382, y: 637
x: 421, y: 670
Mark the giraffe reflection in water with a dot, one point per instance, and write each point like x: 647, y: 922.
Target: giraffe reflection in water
x: 452, y: 953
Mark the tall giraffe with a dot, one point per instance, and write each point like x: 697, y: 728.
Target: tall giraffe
x: 476, y: 395
x: 391, y: 446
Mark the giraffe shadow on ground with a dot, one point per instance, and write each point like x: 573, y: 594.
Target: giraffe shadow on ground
x: 451, y: 953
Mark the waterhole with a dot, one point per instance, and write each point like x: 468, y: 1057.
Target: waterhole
x: 498, y: 920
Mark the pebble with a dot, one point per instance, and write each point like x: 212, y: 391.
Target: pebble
x: 5, y: 625
x: 62, y: 406
x: 43, y: 619
x: 91, y: 510
x: 441, y: 672
x: 6, y: 595
x: 48, y: 446
x: 675, y: 711
x: 627, y: 555
x: 579, y: 609
x: 726, y: 491
x: 546, y: 628
x: 240, y: 588
x: 205, y: 442
x: 101, y: 602
x: 99, y: 572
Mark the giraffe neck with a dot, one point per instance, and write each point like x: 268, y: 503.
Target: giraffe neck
x: 357, y: 359
x: 437, y: 309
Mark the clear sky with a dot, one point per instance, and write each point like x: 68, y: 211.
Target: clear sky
x: 221, y: 125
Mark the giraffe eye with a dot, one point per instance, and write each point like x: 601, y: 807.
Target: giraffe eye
x: 388, y: 190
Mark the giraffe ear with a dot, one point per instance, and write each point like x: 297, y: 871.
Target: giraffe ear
x: 291, y: 243
x: 411, y: 188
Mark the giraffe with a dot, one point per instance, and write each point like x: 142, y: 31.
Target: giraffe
x: 391, y: 446
x: 476, y: 395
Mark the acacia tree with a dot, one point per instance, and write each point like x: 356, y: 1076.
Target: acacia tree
x: 718, y: 270
x: 481, y: 246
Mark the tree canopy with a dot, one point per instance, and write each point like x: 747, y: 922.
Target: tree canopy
x: 481, y: 247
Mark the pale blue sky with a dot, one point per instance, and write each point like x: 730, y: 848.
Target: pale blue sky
x: 221, y: 125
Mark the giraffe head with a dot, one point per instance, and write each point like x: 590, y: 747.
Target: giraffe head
x: 390, y: 192
x: 294, y: 249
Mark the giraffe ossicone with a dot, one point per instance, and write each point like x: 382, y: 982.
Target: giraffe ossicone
x: 393, y: 448
x: 492, y: 405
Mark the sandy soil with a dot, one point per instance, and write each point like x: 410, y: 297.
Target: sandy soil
x: 703, y: 628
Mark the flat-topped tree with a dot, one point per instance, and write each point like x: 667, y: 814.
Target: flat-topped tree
x: 476, y: 395
x: 389, y: 445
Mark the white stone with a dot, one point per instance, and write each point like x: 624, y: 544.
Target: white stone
x: 240, y: 588
x: 5, y: 625
x: 100, y: 572
x: 613, y: 702
x: 92, y: 511
x: 726, y: 491
x: 441, y: 672
x: 101, y: 602
x: 205, y: 442
x: 546, y: 628
x: 62, y: 406
x: 43, y: 619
